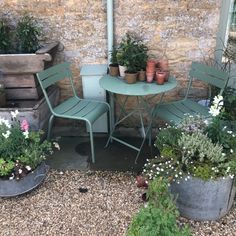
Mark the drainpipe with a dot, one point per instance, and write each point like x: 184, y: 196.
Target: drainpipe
x: 109, y: 28
x: 110, y: 41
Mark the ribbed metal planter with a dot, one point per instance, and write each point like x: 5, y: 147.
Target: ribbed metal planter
x: 204, y: 200
x: 12, y: 188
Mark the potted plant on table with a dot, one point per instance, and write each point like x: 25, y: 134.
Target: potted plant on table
x: 22, y: 155
x: 198, y: 156
x: 113, y: 67
x: 132, y: 54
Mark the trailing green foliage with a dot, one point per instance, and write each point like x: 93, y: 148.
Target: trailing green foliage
x: 159, y: 217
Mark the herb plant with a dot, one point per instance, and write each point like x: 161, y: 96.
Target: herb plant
x: 197, y: 146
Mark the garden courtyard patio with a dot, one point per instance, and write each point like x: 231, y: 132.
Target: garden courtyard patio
x: 60, y: 207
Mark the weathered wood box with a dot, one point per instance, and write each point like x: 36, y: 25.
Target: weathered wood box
x: 19, y: 72
x: 37, y: 113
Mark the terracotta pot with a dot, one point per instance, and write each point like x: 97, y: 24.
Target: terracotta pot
x: 131, y: 78
x: 150, y: 70
x: 151, y: 63
x: 164, y: 64
x: 150, y: 77
x: 167, y: 75
x: 113, y: 70
x: 160, y: 77
x: 142, y: 75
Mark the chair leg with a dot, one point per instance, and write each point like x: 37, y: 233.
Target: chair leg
x: 50, y: 126
x: 91, y: 141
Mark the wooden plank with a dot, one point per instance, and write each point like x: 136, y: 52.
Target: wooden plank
x: 20, y: 81
x: 38, y: 114
x: 23, y: 93
x: 23, y: 63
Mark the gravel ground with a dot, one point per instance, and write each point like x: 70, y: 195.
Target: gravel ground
x: 59, y: 208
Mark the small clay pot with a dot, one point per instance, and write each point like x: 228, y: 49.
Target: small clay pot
x: 142, y: 75
x: 113, y: 70
x: 131, y: 78
x: 167, y: 75
x: 151, y: 63
x: 160, y: 77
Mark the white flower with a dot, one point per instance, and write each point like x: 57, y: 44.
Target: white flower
x: 28, y: 168
x: 14, y: 113
x: 26, y: 134
x: 214, y: 111
x: 231, y: 151
x: 7, y: 134
x: 229, y: 132
x: 20, y: 171
x: 56, y: 145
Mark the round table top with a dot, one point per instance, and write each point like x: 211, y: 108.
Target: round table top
x: 119, y: 86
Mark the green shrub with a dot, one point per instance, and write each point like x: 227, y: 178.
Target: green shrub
x: 27, y: 35
x: 5, y: 36
x: 159, y: 217
x: 24, y: 38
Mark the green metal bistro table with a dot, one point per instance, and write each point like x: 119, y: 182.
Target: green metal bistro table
x: 143, y: 92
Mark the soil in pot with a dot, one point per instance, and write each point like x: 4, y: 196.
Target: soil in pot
x: 131, y: 78
x: 113, y: 70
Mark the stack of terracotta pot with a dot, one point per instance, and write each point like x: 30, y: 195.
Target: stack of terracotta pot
x: 162, y: 71
x: 150, y: 70
x: 158, y: 70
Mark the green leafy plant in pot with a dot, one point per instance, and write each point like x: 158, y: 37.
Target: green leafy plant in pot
x: 130, y: 51
x: 22, y: 152
x: 24, y: 38
x: 113, y: 67
x: 198, y: 156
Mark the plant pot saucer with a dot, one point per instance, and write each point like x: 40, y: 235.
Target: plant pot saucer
x: 12, y: 188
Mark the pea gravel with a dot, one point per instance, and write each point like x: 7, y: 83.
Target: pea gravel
x: 59, y: 208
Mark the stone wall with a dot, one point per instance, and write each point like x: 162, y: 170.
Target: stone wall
x: 182, y: 30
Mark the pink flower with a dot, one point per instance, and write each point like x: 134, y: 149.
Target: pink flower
x: 24, y: 125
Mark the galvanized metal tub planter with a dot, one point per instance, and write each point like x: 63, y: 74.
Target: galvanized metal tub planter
x: 12, y: 188
x: 204, y: 200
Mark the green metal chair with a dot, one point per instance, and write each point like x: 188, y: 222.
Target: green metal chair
x: 174, y: 112
x: 74, y: 107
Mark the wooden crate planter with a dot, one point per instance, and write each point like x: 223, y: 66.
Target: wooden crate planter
x: 35, y: 112
x: 19, y: 72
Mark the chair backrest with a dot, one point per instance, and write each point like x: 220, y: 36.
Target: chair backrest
x: 52, y: 75
x: 210, y: 75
